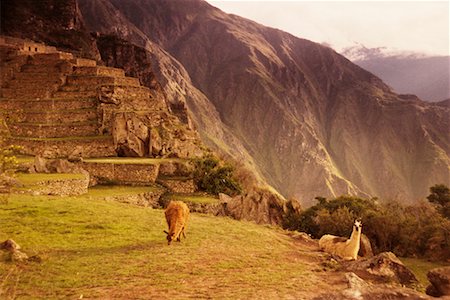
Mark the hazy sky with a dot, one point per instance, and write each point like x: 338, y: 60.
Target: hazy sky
x: 403, y: 25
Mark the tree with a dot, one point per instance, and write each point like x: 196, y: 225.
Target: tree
x: 440, y: 197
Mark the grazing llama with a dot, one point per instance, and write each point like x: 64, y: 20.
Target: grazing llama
x: 177, y: 216
x: 343, y: 247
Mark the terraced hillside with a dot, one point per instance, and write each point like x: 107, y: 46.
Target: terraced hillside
x: 61, y: 106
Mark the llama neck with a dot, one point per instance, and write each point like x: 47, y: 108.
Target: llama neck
x: 356, y: 236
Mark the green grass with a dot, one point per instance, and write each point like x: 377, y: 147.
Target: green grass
x: 105, y: 249
x: 32, y: 179
x: 203, y: 199
x: 25, y: 159
x: 420, y: 268
x: 103, y: 191
x: 130, y: 160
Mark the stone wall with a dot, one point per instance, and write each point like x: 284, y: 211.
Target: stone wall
x: 63, y: 187
x: 181, y: 186
x: 121, y: 173
x: 148, y: 199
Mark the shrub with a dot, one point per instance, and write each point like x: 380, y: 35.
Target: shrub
x: 214, y: 176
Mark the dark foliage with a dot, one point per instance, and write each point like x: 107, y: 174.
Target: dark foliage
x: 214, y: 177
x: 418, y: 230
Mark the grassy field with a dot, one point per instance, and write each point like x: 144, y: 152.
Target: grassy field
x: 203, y: 199
x: 104, y: 249
x: 420, y: 268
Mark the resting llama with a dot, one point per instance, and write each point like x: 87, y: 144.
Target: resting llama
x: 342, y: 247
x: 177, y: 216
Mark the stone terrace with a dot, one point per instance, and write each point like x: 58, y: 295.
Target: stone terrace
x: 51, y: 102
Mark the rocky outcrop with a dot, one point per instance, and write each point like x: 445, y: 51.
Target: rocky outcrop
x: 358, y: 289
x: 365, y: 249
x: 440, y: 282
x: 384, y: 267
x: 260, y: 206
x: 52, y: 22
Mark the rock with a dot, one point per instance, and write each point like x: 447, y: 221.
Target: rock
x: 155, y: 143
x: 440, y: 282
x: 39, y: 165
x: 9, y: 245
x: 365, y: 249
x: 106, y: 95
x: 359, y: 289
x: 384, y: 267
x: 14, y: 249
x: 258, y: 205
x: 131, y: 135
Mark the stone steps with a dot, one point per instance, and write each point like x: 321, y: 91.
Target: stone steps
x: 14, y: 93
x: 99, y: 71
x: 45, y: 69
x: 48, y: 103
x: 83, y: 62
x: 92, y: 146
x: 74, y: 91
x: 53, y: 130
x: 38, y: 76
x: 94, y: 81
x: 52, y: 116
x: 36, y: 83
x: 45, y: 58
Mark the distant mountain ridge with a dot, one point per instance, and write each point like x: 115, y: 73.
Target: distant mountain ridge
x: 426, y: 76
x: 308, y: 121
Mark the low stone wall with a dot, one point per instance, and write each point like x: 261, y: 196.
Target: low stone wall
x: 121, y: 173
x: 63, y: 187
x: 148, y: 199
x: 186, y: 186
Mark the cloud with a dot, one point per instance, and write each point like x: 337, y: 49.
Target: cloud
x: 404, y: 25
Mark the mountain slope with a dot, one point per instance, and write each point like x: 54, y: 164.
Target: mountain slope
x: 314, y: 123
x: 428, y: 77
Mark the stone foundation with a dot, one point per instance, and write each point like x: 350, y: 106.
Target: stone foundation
x: 138, y: 174
x: 179, y: 186
x: 148, y: 199
x: 63, y: 187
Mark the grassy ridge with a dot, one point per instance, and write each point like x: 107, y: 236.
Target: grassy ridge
x: 97, y: 248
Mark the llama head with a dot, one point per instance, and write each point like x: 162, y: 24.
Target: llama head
x: 358, y: 224
x: 170, y: 237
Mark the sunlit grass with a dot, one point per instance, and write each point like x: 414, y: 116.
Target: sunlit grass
x: 203, y: 199
x: 35, y: 178
x: 99, y: 248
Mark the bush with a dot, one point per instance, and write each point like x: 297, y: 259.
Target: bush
x: 418, y: 230
x: 214, y: 177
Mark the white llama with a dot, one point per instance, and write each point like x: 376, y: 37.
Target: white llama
x: 342, y: 247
